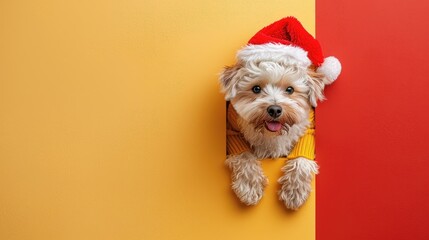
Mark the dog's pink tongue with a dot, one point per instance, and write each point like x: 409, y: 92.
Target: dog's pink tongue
x: 273, y: 126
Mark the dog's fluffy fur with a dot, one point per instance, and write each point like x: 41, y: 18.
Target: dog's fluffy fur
x: 237, y: 81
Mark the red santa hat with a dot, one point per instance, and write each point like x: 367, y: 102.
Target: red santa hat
x: 287, y: 41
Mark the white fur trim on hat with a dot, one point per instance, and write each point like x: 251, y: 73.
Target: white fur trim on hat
x: 274, y: 52
x: 331, y: 67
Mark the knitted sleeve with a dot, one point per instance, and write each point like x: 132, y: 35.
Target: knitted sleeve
x: 305, y: 147
x: 235, y: 142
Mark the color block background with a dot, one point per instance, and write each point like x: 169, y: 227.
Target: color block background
x: 112, y: 127
x: 372, y: 133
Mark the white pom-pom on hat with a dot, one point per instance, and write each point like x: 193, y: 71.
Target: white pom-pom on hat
x: 331, y: 68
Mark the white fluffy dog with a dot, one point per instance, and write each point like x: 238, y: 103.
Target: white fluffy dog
x: 272, y: 90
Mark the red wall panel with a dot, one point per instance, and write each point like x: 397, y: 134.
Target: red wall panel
x: 372, y: 134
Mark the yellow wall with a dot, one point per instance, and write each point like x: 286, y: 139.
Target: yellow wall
x: 112, y: 127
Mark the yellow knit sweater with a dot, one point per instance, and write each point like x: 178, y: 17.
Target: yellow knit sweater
x: 236, y: 144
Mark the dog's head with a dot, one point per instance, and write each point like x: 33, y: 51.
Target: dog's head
x: 272, y: 95
x: 278, y: 76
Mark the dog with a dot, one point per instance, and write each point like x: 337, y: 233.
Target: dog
x: 272, y: 89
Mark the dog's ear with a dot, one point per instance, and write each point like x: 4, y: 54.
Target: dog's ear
x: 228, y: 80
x: 316, y: 82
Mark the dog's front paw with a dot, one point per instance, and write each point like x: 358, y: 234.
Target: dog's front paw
x: 249, y: 189
x: 296, y: 182
x: 248, y: 179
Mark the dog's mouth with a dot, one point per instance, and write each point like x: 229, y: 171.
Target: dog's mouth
x: 273, y: 126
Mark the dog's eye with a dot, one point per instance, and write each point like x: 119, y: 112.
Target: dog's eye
x: 256, y: 89
x: 290, y: 90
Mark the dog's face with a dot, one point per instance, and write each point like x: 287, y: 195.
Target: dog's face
x: 272, y: 96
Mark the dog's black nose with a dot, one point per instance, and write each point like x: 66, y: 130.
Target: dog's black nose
x: 274, y: 111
